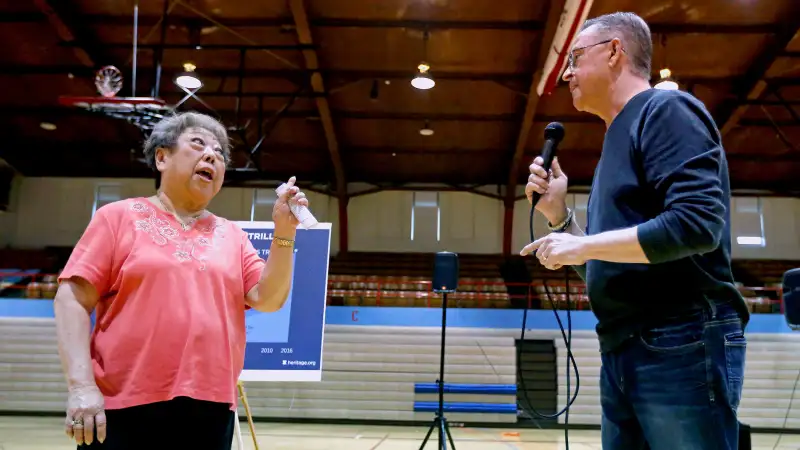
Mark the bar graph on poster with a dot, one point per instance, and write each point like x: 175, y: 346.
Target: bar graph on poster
x: 286, y: 345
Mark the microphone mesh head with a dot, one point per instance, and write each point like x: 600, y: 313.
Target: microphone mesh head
x: 554, y: 131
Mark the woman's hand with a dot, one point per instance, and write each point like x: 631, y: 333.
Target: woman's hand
x: 86, y: 417
x: 282, y: 215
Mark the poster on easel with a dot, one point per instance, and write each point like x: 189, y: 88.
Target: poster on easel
x: 286, y: 345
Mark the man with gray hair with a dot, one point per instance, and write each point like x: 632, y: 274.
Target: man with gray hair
x: 656, y: 252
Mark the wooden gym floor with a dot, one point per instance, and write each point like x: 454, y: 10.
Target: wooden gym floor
x: 34, y: 433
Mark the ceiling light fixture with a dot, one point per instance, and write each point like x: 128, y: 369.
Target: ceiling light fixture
x: 426, y: 130
x: 423, y: 80
x: 47, y: 126
x: 666, y: 82
x: 188, y: 78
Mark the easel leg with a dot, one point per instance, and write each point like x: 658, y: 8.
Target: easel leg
x: 243, y: 396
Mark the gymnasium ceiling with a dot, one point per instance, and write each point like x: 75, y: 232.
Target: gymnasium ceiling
x: 340, y: 108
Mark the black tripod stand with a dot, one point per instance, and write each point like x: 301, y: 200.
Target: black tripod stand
x: 445, y: 279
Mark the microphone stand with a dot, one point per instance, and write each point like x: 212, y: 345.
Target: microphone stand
x: 439, y: 422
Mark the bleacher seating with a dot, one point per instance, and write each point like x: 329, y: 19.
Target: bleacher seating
x: 386, y: 373
x: 15, y: 282
x: 372, y: 290
x: 27, y: 273
x: 756, y: 272
x: 759, y: 281
x: 369, y: 373
x: 412, y: 264
x: 403, y: 279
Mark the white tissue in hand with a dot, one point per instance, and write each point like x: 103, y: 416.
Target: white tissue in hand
x: 301, y: 212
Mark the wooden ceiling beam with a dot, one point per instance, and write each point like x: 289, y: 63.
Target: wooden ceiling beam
x: 57, y: 111
x: 521, y: 77
x: 266, y: 22
x: 555, y: 9
x: 68, y: 24
x: 193, y: 47
x: 312, y: 63
x: 711, y: 28
x: 332, y: 22
x: 17, y: 69
x: 753, y: 84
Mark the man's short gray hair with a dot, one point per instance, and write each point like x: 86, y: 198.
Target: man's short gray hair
x: 634, y: 33
x: 166, y: 133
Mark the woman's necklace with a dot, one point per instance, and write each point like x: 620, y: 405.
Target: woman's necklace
x: 184, y: 224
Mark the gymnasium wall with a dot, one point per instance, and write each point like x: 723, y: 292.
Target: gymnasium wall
x: 8, y: 228
x: 55, y: 211
x: 379, y: 363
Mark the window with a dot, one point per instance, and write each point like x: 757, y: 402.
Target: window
x: 425, y: 211
x: 105, y: 194
x: 263, y: 202
x: 748, y: 221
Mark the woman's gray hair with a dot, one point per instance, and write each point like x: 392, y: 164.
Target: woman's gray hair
x: 166, y: 133
x: 634, y: 33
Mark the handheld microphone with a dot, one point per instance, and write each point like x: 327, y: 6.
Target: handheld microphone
x: 553, y: 134
x: 791, y: 298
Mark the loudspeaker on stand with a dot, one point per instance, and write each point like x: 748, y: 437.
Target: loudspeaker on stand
x: 445, y: 280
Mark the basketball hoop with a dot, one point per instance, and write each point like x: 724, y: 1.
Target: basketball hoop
x: 143, y: 112
x: 108, y: 81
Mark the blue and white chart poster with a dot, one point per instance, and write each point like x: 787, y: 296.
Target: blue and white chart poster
x: 286, y: 345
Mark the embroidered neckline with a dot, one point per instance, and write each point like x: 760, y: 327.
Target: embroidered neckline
x: 188, y: 246
x: 204, y: 216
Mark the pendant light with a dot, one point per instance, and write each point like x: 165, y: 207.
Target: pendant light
x: 666, y: 82
x: 423, y: 79
x: 188, y: 79
x: 426, y: 130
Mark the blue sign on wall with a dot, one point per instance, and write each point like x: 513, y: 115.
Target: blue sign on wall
x: 287, y: 345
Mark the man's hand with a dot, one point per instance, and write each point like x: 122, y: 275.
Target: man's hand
x: 558, y: 249
x: 553, y: 188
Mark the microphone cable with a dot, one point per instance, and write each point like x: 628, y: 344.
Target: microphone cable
x: 788, y: 412
x: 567, y: 337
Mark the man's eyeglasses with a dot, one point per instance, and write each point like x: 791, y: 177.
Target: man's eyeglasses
x: 572, y: 58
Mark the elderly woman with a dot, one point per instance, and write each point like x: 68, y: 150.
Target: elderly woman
x: 169, y: 282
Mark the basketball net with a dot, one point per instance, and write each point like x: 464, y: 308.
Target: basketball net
x: 143, y: 112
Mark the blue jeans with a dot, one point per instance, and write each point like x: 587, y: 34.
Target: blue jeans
x: 676, y: 386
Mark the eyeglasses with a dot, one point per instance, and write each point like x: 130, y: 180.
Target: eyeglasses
x: 572, y: 58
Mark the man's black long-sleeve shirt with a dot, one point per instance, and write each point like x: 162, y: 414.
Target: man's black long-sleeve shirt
x: 663, y: 169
